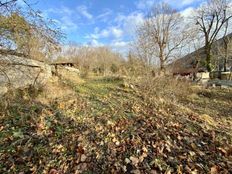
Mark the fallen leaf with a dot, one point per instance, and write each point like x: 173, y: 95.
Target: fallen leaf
x: 194, y: 172
x: 83, y: 158
x: 134, y: 160
x: 80, y: 150
x: 127, y: 160
x: 214, y: 170
x: 168, y: 171
x: 192, y: 153
x: 153, y: 172
x: 179, y: 169
x: 141, y: 158
x: 117, y: 143
x: 135, y: 171
x: 53, y: 171
x: 222, y: 150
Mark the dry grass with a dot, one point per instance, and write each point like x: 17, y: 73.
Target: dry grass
x: 55, y: 89
x: 112, y: 125
x: 70, y: 75
x: 214, y: 105
x: 164, y: 89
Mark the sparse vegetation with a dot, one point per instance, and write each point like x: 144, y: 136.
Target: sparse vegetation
x: 104, y: 125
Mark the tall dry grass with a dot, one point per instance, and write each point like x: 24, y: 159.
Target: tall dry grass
x: 164, y: 89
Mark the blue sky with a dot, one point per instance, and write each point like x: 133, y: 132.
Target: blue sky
x: 103, y: 22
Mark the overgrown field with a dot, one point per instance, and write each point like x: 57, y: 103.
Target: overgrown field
x: 115, y: 125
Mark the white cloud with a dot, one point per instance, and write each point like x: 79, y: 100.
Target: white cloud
x: 105, y: 33
x: 122, y: 24
x: 187, y: 2
x: 144, y: 4
x: 130, y: 22
x: 84, y: 12
x: 105, y: 15
x: 68, y: 24
x: 65, y: 11
x: 181, y: 3
x: 147, y: 4
x: 95, y: 43
x: 96, y: 30
x: 188, y: 12
x: 98, y: 34
x: 65, y: 21
x: 120, y: 46
x: 117, y: 32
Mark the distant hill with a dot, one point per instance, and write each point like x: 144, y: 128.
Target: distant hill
x: 187, y: 63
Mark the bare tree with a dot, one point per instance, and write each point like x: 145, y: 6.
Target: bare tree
x: 21, y: 29
x: 6, y: 4
x: 163, y: 32
x: 211, y: 18
x: 143, y: 48
x: 195, y: 50
x: 101, y: 60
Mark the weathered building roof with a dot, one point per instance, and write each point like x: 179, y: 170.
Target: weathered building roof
x: 62, y: 62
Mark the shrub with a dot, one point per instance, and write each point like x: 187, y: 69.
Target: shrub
x: 164, y: 88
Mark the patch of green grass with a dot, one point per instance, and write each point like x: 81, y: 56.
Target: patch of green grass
x: 100, y: 86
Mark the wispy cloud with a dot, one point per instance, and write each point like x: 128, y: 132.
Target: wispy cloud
x: 95, y: 43
x: 83, y: 10
x: 180, y: 4
x: 68, y: 24
x: 144, y: 4
x: 63, y: 10
x: 65, y: 18
x: 120, y: 46
x: 147, y: 4
x: 130, y: 22
x: 187, y: 12
x: 104, y: 16
x: 116, y: 32
x: 112, y: 31
x: 108, y: 24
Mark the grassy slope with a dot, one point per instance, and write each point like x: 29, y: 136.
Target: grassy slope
x: 104, y: 127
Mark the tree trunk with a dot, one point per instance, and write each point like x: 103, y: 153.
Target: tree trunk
x: 162, y: 60
x: 225, y: 65
x: 226, y: 56
x: 208, y: 58
x: 162, y: 65
x: 195, y: 67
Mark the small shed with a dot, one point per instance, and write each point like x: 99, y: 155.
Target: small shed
x: 61, y: 64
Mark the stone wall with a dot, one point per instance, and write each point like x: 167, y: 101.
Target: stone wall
x: 19, y: 72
